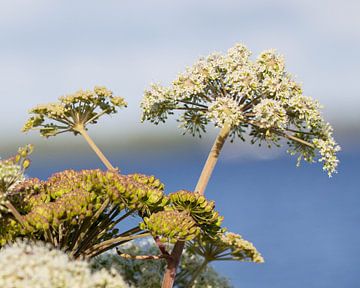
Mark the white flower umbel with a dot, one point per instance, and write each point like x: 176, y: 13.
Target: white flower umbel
x: 39, y: 266
x: 10, y: 175
x: 225, y: 110
x: 270, y: 113
x: 258, y: 97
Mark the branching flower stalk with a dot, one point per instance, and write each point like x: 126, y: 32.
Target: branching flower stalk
x: 86, y: 239
x: 78, y: 211
x: 256, y: 100
x: 73, y: 113
x: 224, y: 247
x: 186, y: 216
x: 98, y: 152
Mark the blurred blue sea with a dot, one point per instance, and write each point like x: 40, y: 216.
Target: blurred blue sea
x: 305, y: 225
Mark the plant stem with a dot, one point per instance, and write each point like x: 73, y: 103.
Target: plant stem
x: 108, y: 244
x: 197, y: 273
x: 96, y: 149
x: 174, y: 260
x: 296, y: 139
x: 172, y: 264
x: 15, y: 212
x: 212, y: 159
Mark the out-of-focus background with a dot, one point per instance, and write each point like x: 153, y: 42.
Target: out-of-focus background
x: 305, y: 224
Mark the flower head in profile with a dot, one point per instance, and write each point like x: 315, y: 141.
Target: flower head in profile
x: 73, y: 111
x: 225, y: 246
x: 255, y: 98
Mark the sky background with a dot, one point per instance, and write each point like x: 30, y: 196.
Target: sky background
x: 52, y: 48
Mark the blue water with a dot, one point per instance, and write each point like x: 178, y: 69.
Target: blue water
x: 305, y: 225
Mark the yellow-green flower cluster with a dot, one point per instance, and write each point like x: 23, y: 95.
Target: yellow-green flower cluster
x: 73, y: 201
x: 39, y: 265
x: 185, y: 215
x: 73, y: 111
x: 171, y: 226
x: 225, y: 246
x: 200, y: 209
x: 257, y: 97
x: 241, y: 249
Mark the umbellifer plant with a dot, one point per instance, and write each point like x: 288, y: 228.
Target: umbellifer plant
x: 256, y: 100
x: 78, y: 211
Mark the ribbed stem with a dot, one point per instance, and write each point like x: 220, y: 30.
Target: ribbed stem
x: 212, y: 159
x: 15, y: 212
x: 96, y: 149
x: 173, y: 262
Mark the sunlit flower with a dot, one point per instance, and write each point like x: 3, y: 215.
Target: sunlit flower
x: 225, y: 246
x: 60, y: 206
x: 39, y: 265
x: 258, y: 98
x: 74, y: 111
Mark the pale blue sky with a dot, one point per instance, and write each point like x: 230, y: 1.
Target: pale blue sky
x: 50, y: 48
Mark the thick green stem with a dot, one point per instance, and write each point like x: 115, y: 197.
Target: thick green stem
x: 96, y: 149
x: 197, y: 273
x: 174, y: 260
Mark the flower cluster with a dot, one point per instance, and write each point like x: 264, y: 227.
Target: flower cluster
x: 73, y: 112
x: 171, y: 225
x: 225, y: 111
x: 200, y: 209
x: 39, y: 265
x: 328, y: 149
x: 270, y: 113
x: 185, y: 215
x: 241, y: 249
x: 225, y: 246
x: 78, y: 210
x: 12, y: 173
x: 259, y: 97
